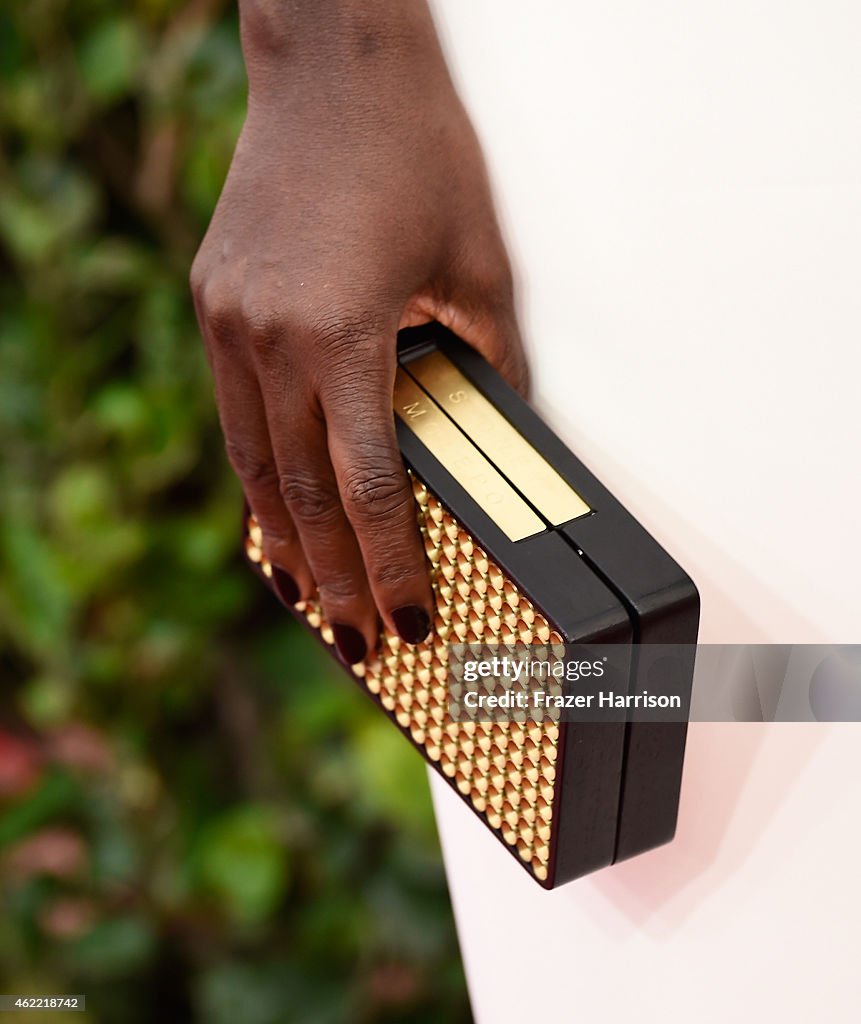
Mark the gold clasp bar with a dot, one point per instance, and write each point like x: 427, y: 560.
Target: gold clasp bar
x: 498, y: 439
x: 481, y: 481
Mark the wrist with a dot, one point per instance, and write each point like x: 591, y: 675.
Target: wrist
x: 320, y: 41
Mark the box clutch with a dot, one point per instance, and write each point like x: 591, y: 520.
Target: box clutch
x: 525, y: 545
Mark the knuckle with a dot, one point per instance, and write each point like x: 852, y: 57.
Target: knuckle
x: 347, y: 333
x: 264, y: 318
x: 338, y: 589
x: 251, y: 468
x: 308, y: 499
x: 276, y: 536
x: 375, y: 492
x: 398, y: 572
x: 197, y: 278
x: 274, y: 325
x: 218, y: 306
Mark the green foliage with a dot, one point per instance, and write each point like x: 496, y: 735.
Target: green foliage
x: 199, y: 819
x: 243, y: 860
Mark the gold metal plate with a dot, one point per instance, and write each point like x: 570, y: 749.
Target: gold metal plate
x: 464, y: 461
x: 500, y: 441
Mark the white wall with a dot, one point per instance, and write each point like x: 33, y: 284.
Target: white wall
x: 681, y: 185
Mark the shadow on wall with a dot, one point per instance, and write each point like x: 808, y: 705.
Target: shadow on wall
x: 723, y: 781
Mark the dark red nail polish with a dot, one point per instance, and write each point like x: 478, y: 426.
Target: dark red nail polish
x: 412, y: 623
x: 350, y: 643
x: 285, y: 586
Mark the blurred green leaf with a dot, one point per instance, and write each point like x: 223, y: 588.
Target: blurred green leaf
x: 56, y: 794
x: 122, y: 408
x: 53, y: 202
x: 114, y: 947
x: 111, y: 264
x: 82, y: 496
x: 392, y: 779
x: 270, y: 993
x: 243, y: 861
x: 258, y: 838
x: 37, y: 598
x: 46, y: 700
x: 11, y: 46
x: 110, y: 57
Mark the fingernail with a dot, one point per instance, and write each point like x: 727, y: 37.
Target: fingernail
x: 412, y: 623
x: 350, y: 643
x: 285, y: 586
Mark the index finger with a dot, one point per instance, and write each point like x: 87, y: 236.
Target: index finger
x: 376, y: 494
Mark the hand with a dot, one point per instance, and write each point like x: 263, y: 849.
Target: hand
x: 357, y: 203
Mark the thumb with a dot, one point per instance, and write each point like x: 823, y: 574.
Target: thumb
x: 493, y: 332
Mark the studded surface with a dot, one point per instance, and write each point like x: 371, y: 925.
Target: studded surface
x: 506, y: 769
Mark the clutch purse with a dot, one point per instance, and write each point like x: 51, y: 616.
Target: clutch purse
x: 525, y: 546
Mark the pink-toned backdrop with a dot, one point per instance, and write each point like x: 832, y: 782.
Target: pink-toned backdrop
x: 681, y: 185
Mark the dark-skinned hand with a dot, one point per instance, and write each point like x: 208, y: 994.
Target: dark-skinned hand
x: 357, y: 203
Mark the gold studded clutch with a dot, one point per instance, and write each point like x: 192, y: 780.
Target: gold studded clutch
x: 525, y: 546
